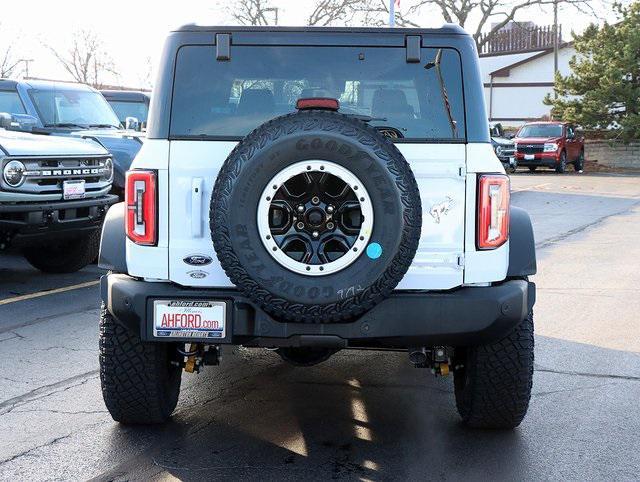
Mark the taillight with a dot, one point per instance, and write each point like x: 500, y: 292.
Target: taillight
x: 141, y: 200
x: 493, y: 211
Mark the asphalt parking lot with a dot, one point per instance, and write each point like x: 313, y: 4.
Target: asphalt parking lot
x: 361, y: 415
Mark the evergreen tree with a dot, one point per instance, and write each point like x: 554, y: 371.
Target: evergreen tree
x: 603, y: 89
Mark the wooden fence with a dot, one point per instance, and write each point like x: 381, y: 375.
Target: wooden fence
x: 519, y: 39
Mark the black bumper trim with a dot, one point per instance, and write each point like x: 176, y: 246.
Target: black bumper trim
x: 551, y: 163
x: 464, y: 316
x: 32, y: 220
x: 28, y: 207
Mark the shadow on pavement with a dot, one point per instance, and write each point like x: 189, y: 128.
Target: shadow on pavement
x: 18, y: 277
x: 358, y: 416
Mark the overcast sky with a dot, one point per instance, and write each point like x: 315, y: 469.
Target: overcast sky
x: 134, y: 31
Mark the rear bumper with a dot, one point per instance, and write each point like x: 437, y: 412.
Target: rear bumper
x: 27, y: 221
x: 465, y: 316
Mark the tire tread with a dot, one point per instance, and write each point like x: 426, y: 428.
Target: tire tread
x: 500, y: 378
x: 137, y: 386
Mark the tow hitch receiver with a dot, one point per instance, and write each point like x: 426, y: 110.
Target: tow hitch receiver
x: 198, y: 355
x: 437, y: 358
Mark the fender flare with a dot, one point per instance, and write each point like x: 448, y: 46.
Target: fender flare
x: 113, y: 254
x: 522, y: 245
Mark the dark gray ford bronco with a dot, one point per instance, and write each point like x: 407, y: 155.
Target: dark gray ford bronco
x: 312, y: 190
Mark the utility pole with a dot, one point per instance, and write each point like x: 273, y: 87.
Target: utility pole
x: 555, y: 37
x: 274, y: 10
x: 26, y: 66
x: 555, y: 45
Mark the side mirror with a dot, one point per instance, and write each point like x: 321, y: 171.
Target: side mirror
x: 132, y: 123
x: 571, y: 135
x: 25, y: 122
x: 511, y: 136
x: 18, y: 122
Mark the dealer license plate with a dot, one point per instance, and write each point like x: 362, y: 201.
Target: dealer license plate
x: 73, y: 189
x: 529, y: 157
x: 189, y: 319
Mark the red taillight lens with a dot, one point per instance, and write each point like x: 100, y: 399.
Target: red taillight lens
x: 493, y: 211
x: 141, y: 200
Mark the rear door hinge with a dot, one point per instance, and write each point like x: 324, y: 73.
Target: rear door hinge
x: 413, y: 44
x: 223, y: 46
x: 461, y: 260
x: 462, y: 171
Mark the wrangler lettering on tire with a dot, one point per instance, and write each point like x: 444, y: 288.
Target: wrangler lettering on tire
x: 323, y: 186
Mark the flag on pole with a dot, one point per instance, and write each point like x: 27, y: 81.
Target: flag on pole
x: 392, y: 12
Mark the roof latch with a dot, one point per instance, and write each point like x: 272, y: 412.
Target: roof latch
x: 413, y: 44
x: 223, y: 46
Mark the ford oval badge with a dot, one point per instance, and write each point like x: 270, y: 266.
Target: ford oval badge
x: 197, y: 260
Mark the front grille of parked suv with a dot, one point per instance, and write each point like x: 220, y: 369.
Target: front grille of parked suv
x: 530, y: 148
x: 46, y: 175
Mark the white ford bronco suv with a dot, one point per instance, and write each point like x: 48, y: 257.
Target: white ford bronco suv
x: 311, y: 190
x: 54, y: 194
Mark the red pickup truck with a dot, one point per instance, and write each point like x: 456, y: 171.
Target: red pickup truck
x: 549, y: 144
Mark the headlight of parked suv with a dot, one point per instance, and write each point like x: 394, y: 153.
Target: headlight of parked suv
x: 550, y: 147
x: 13, y: 173
x: 498, y: 150
x: 108, y: 167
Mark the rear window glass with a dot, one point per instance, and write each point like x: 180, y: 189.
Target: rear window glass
x: 10, y: 103
x: 124, y: 109
x: 419, y: 101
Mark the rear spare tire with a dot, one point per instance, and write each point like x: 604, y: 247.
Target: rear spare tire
x: 315, y: 216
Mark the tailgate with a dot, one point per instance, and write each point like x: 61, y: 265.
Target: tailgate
x: 439, y: 171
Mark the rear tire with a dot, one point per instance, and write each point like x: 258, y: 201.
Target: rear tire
x: 66, y: 256
x: 533, y: 168
x: 139, y: 383
x: 493, y: 387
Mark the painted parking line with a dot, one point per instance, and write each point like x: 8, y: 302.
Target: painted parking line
x: 38, y: 294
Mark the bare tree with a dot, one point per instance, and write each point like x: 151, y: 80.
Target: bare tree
x: 254, y: 12
x: 145, y: 77
x: 8, y: 62
x: 376, y: 13
x: 496, y: 13
x: 473, y: 15
x: 87, y: 60
x: 328, y: 12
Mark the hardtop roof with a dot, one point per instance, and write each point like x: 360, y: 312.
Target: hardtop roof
x: 125, y: 95
x: 446, y: 29
x: 192, y: 35
x: 45, y: 84
x: 8, y: 84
